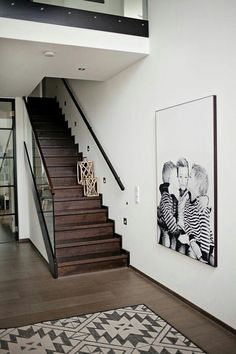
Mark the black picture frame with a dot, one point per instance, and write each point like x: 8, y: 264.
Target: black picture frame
x: 186, y: 176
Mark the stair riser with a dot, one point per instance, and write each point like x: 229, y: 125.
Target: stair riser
x: 62, y: 171
x: 57, y: 142
x: 47, y: 111
x: 81, y: 218
x: 64, y: 151
x: 50, y: 125
x: 96, y: 249
x: 83, y: 233
x: 63, y: 161
x: 92, y: 267
x: 64, y: 181
x: 54, y: 118
x: 73, y: 192
x: 77, y: 204
x: 53, y: 133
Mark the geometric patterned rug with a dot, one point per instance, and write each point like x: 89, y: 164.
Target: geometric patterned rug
x: 134, y: 329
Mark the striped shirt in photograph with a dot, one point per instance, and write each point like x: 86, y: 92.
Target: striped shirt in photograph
x: 197, y: 225
x: 168, y: 212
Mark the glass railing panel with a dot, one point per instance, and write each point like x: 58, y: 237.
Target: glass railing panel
x: 5, y: 115
x: 6, y: 143
x: 6, y: 172
x: 7, y: 201
x: 44, y: 190
x: 7, y: 228
x: 127, y: 8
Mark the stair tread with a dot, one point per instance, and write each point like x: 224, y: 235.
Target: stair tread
x: 85, y: 239
x: 72, y: 199
x: 63, y: 143
x: 79, y: 212
x: 85, y: 259
x: 64, y: 176
x: 56, y: 138
x: 68, y: 227
x: 77, y: 186
x: 84, y: 242
x: 57, y: 156
x: 59, y: 147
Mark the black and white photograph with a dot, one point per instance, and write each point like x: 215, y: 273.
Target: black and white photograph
x: 186, y: 168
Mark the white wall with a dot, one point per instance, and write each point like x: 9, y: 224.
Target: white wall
x: 22, y: 181
x: 193, y: 54
x: 133, y: 8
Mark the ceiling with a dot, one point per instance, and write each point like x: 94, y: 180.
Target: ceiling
x: 23, y: 64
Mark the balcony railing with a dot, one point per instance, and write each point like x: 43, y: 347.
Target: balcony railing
x: 118, y: 16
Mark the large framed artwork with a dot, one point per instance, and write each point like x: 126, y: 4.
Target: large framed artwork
x: 186, y: 170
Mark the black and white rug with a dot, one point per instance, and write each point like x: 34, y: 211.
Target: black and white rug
x: 134, y: 329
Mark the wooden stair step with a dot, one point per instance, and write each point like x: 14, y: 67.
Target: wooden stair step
x: 66, y: 232
x: 88, y: 248
x: 53, y: 133
x: 74, y: 198
x: 64, y: 142
x: 81, y: 243
x: 52, y: 161
x: 50, y: 124
x: 77, y: 203
x: 58, y: 138
x: 59, y: 151
x: 83, y: 239
x: 59, y: 171
x: 95, y: 225
x: 93, y: 264
x: 68, y: 191
x: 53, y: 116
x: 81, y: 216
x: 64, y: 181
x: 89, y: 258
x: 80, y: 212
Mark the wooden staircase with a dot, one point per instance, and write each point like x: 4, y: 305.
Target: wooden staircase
x: 84, y: 236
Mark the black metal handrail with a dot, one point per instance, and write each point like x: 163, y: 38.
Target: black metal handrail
x: 50, y: 253
x: 113, y: 171
x: 40, y: 150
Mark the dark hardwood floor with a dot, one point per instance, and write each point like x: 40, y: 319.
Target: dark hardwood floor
x: 29, y: 294
x: 6, y: 235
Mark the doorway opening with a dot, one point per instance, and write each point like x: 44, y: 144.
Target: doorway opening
x: 8, y: 186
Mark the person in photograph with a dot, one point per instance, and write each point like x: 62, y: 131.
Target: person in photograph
x: 168, y: 209
x: 197, y: 217
x: 183, y: 177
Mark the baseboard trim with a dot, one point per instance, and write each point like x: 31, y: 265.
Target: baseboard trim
x: 24, y: 240
x: 195, y: 307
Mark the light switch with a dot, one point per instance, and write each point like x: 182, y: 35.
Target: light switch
x: 136, y: 194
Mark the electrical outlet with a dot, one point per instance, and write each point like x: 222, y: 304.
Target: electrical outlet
x: 75, y: 124
x: 88, y: 148
x: 104, y: 180
x: 125, y: 221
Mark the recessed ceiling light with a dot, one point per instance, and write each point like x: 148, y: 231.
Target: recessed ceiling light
x: 49, y: 53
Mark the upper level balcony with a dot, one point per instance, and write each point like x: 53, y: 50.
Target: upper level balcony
x: 85, y: 39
